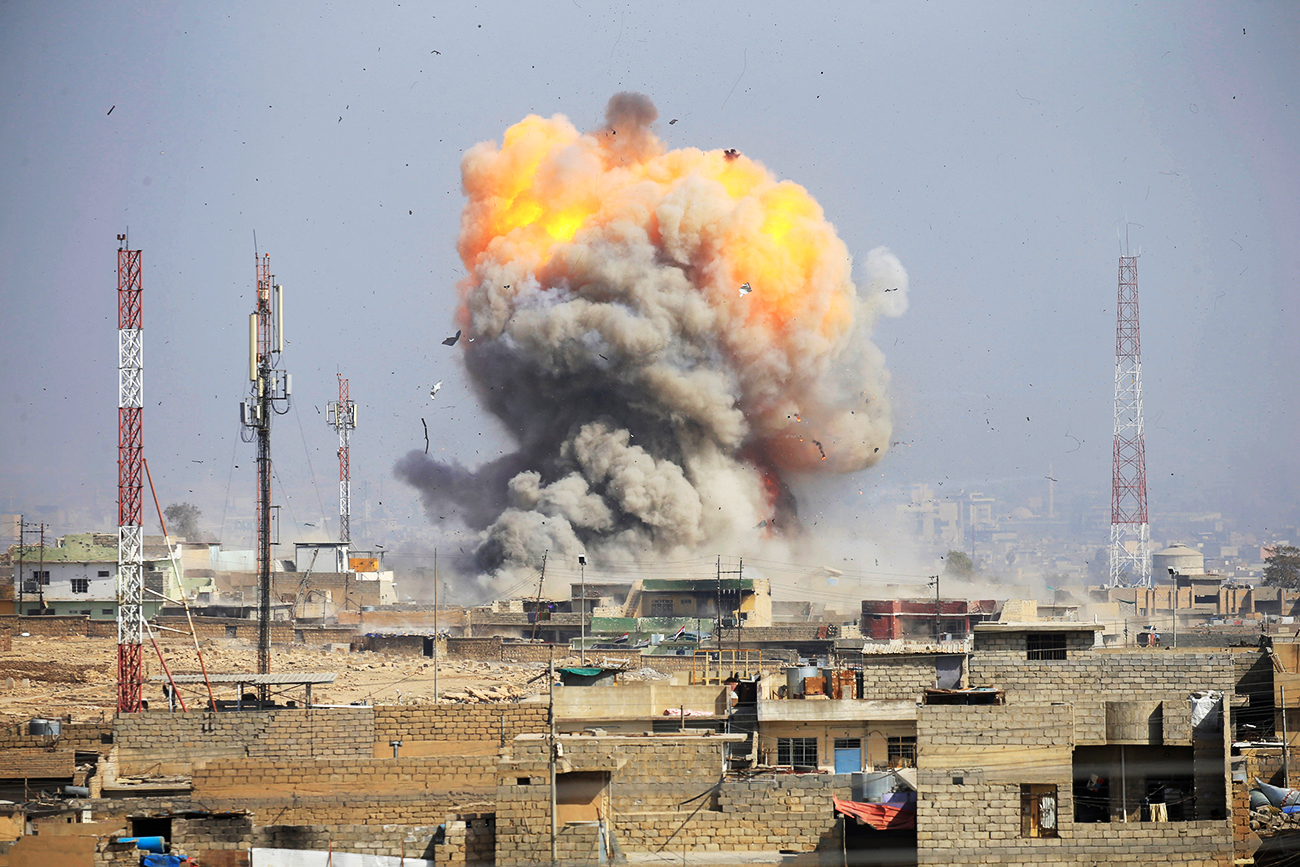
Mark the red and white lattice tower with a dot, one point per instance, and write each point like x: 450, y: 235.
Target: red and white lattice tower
x: 342, y: 417
x: 1130, y: 535
x: 130, y: 480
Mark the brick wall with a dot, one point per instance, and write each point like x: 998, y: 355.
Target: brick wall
x: 223, y: 627
x: 400, y: 645
x: 378, y: 778
x: 897, y: 677
x: 469, y: 839
x: 653, y: 796
x: 202, y: 837
x: 60, y: 626
x: 978, y: 822
x: 1164, y: 676
x: 972, y: 762
x: 318, y: 635
x: 17, y: 764
x: 72, y: 736
x: 457, y: 723
x: 1016, y: 642
x: 474, y: 648
x: 175, y: 743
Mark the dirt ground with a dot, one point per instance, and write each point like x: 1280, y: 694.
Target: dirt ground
x: 55, y: 677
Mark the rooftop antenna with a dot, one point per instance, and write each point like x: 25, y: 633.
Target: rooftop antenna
x: 130, y: 478
x: 342, y: 416
x: 269, y: 391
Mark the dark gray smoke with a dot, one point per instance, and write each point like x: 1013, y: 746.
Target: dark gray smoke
x: 666, y: 334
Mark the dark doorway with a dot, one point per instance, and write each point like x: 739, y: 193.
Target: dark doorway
x: 153, y: 827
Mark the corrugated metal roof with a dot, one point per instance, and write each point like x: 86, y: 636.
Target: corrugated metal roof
x: 288, y: 678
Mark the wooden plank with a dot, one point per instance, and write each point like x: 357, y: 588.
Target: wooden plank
x: 1000, y: 764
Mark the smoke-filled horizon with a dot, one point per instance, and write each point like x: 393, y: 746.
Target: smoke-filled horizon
x: 667, y: 335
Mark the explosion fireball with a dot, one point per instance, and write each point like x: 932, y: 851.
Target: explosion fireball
x: 668, y: 334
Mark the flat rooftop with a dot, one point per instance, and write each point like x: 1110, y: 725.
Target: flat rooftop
x: 1041, y: 626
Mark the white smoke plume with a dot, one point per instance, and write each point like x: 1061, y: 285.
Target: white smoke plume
x: 658, y: 405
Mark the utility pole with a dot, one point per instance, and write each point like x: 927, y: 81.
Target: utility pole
x: 938, y: 628
x: 582, y: 615
x: 740, y: 584
x: 270, y: 389
x: 717, y: 630
x: 22, y: 539
x: 1286, y: 764
x: 40, y: 575
x: 435, y: 625
x: 1174, y: 575
x: 550, y: 753
x: 537, y: 605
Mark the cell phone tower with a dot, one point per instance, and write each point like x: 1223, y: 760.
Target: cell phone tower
x: 1130, y: 535
x: 269, y: 392
x: 342, y: 416
x: 130, y: 479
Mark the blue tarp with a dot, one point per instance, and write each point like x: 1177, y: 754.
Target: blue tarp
x: 162, y: 861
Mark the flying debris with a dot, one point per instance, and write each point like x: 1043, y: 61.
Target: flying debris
x: 433, y: 392
x: 745, y: 289
x: 731, y: 154
x: 451, y: 341
x: 426, y: 435
x: 673, y: 121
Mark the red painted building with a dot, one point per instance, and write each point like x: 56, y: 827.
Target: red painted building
x: 883, y: 619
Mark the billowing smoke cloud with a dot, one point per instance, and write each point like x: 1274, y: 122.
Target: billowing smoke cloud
x: 668, y: 334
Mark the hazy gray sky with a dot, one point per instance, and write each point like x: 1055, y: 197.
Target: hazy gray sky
x: 994, y: 148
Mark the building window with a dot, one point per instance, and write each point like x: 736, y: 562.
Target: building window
x: 661, y: 608
x: 34, y: 583
x: 796, y: 752
x: 1037, y: 811
x: 103, y: 573
x: 106, y: 611
x: 902, y: 752
x: 1045, y: 645
x: 81, y: 585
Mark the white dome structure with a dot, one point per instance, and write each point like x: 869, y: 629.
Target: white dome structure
x: 1180, y: 558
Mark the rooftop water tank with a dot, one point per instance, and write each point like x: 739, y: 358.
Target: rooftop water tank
x: 1180, y: 558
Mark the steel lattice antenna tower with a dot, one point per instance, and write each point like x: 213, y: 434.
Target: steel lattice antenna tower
x: 1130, y: 535
x: 130, y: 479
x: 342, y: 416
x: 270, y: 387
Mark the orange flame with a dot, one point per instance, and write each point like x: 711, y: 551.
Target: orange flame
x: 547, y: 183
x: 774, y: 276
